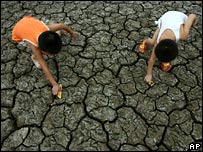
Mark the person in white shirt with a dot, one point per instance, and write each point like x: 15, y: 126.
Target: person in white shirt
x: 172, y: 27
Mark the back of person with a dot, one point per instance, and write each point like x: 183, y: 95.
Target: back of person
x: 28, y: 29
x: 171, y: 20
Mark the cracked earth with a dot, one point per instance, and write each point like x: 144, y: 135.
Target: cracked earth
x: 105, y: 105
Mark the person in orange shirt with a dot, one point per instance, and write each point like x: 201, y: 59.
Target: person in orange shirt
x: 42, y: 39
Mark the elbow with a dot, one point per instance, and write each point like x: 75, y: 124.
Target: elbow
x: 61, y: 25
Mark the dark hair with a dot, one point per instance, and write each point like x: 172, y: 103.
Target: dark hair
x: 49, y: 41
x: 166, y: 50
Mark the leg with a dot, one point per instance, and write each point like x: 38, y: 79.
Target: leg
x: 35, y: 61
x: 149, y: 41
x: 191, y: 21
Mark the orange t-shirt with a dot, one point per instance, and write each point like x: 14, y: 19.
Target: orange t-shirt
x: 28, y: 29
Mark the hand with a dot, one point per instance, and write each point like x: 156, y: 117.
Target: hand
x: 75, y: 36
x: 148, y: 77
x: 55, y: 89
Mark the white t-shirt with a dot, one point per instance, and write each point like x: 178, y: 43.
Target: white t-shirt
x: 171, y: 20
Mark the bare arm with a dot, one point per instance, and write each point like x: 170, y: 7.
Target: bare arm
x: 43, y: 64
x: 38, y: 56
x: 62, y: 26
x: 151, y: 61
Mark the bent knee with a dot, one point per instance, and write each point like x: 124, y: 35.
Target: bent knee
x: 192, y: 16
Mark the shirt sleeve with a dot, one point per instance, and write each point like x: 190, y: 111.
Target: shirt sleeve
x: 15, y: 37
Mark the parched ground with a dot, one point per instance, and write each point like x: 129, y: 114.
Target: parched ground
x: 106, y: 104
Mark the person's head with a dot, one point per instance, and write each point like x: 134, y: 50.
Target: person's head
x: 50, y: 42
x: 166, y: 50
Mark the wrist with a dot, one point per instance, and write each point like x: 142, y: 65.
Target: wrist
x: 72, y: 33
x: 54, y: 83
